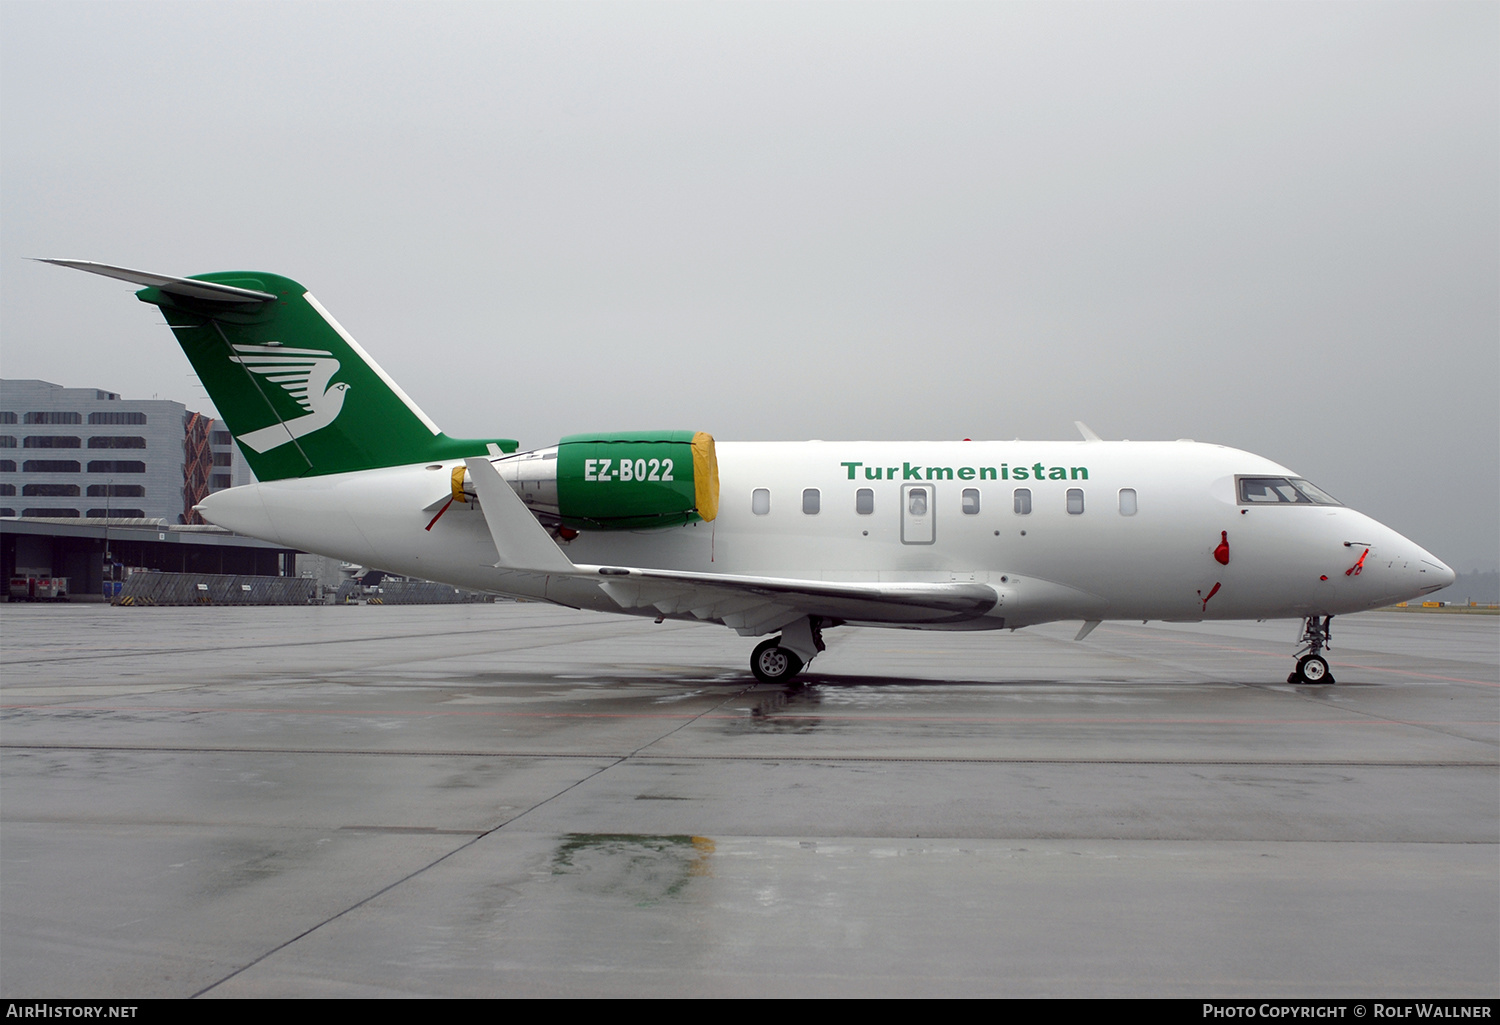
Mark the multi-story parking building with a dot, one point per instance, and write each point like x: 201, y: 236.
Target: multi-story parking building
x: 84, y: 452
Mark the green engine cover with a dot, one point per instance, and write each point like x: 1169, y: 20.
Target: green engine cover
x: 636, y: 479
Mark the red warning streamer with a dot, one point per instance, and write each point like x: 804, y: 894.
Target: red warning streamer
x: 457, y: 494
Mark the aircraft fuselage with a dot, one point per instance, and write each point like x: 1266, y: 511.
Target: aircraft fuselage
x: 1144, y: 533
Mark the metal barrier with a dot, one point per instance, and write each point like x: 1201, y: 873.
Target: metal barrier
x: 155, y: 588
x: 409, y: 592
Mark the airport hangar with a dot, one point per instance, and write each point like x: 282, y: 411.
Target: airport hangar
x: 76, y: 549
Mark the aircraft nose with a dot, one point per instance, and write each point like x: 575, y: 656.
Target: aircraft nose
x: 1427, y: 572
x: 1416, y: 571
x: 1438, y: 570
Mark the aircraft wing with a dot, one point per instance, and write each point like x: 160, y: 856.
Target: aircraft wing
x: 750, y: 604
x: 756, y: 605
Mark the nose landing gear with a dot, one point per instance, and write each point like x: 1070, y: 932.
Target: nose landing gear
x: 1312, y: 667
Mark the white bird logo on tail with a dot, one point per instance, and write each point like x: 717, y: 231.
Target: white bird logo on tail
x: 305, y: 374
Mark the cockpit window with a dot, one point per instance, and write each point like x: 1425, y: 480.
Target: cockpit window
x: 1282, y: 491
x: 1315, y: 494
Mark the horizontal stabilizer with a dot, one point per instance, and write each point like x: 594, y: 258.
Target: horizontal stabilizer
x: 186, y: 287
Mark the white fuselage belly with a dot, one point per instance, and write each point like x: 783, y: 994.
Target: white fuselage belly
x: 1284, y: 560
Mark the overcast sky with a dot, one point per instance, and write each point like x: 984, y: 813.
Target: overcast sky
x: 1273, y: 226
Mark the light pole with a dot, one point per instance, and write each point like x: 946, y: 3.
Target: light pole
x: 109, y: 559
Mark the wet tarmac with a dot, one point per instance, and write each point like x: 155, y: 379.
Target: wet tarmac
x: 518, y: 800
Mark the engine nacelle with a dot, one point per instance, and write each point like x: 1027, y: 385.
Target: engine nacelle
x: 631, y: 480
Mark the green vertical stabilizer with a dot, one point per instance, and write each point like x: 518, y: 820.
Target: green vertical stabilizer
x: 297, y: 392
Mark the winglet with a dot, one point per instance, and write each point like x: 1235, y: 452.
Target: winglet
x: 520, y: 541
x: 1087, y: 431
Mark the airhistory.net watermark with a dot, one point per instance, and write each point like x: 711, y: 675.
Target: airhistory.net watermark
x: 67, y: 1009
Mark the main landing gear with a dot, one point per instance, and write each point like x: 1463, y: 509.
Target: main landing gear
x: 1312, y: 667
x: 772, y: 663
x: 780, y: 659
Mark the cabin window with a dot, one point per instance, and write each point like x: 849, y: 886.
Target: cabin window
x: 864, y: 501
x: 811, y: 500
x: 1127, y: 501
x: 760, y: 501
x: 971, y: 501
x: 1075, y: 501
x: 1023, y: 501
x: 917, y: 501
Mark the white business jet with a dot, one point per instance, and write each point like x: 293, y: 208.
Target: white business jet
x: 776, y: 540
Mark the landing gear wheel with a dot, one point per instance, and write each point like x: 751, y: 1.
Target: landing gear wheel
x: 1313, y: 669
x: 772, y: 663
